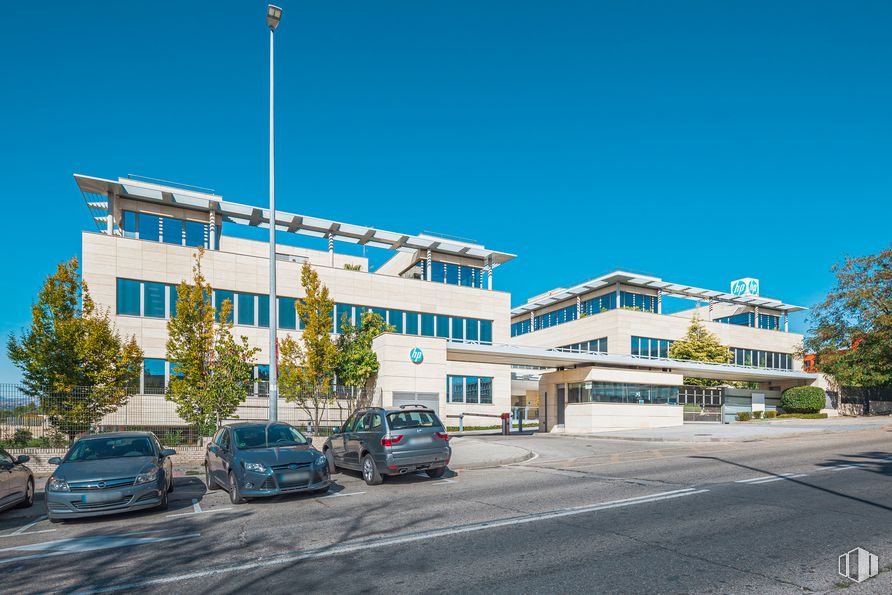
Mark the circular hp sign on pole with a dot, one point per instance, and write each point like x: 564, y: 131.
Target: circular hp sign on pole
x: 416, y: 355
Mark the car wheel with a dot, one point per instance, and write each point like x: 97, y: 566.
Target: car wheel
x: 163, y: 504
x: 370, y: 471
x: 332, y: 468
x: 29, y: 495
x: 235, y: 496
x: 53, y: 519
x: 436, y: 473
x: 170, y: 484
x: 208, y: 480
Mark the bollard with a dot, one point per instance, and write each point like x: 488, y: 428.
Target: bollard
x: 461, y: 422
x: 520, y: 420
x: 506, y: 424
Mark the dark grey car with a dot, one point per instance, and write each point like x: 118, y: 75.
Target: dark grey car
x: 16, y: 481
x: 264, y: 459
x: 396, y: 441
x: 108, y: 474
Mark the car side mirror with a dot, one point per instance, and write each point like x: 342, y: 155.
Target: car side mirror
x: 168, y: 452
x: 336, y: 430
x: 55, y: 461
x: 22, y: 459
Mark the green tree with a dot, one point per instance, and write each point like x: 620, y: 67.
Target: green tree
x: 700, y: 345
x: 851, y: 330
x: 211, y: 369
x: 357, y: 362
x: 307, y: 367
x: 72, y: 357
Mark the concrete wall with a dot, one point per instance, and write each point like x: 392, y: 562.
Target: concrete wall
x: 607, y: 417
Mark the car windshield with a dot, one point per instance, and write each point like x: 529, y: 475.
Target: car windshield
x: 268, y: 436
x: 412, y: 419
x: 95, y: 449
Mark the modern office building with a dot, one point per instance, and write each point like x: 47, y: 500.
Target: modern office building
x: 590, y: 357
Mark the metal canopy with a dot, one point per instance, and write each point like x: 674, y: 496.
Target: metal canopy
x: 565, y: 358
x: 98, y: 192
x: 670, y: 289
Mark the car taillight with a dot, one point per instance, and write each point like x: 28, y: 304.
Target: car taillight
x: 392, y: 440
x: 442, y: 435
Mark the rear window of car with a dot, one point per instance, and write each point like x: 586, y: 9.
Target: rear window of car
x: 413, y: 419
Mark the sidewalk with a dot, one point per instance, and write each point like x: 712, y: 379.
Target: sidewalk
x: 744, y: 432
x: 471, y: 453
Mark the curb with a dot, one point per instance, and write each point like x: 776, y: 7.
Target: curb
x: 740, y: 440
x: 526, y: 456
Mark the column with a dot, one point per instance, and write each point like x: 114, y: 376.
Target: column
x: 786, y: 322
x: 110, y: 220
x: 489, y: 273
x: 428, y: 272
x: 659, y: 301
x: 212, y: 231
x: 756, y: 317
x: 709, y: 317
x: 331, y: 249
x: 578, y: 307
x: 532, y: 321
x: 617, y: 296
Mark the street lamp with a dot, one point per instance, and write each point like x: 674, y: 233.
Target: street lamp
x: 273, y: 16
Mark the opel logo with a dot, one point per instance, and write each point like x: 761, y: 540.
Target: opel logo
x: 100, y: 485
x: 292, y: 466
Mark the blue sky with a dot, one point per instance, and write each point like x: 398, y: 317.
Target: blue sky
x: 696, y: 141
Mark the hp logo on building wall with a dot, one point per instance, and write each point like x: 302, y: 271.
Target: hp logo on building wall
x: 416, y: 355
x: 746, y: 286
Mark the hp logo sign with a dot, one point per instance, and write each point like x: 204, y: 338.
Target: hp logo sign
x: 416, y: 355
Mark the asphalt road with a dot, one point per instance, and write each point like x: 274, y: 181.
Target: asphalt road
x: 582, y: 516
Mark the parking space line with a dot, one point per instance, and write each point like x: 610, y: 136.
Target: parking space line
x: 781, y: 478
x: 29, y: 525
x: 764, y: 477
x: 341, y: 495
x: 194, y: 512
x: 195, y: 505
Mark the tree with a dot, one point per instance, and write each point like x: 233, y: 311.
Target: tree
x: 851, y: 331
x: 357, y: 363
x: 211, y: 369
x: 803, y: 399
x: 72, y: 357
x: 307, y: 367
x: 700, y: 345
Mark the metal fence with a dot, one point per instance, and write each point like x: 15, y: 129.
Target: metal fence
x: 53, y: 419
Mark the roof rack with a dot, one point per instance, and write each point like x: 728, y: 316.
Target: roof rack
x: 417, y: 405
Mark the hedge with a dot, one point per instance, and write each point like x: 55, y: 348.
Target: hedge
x: 803, y: 399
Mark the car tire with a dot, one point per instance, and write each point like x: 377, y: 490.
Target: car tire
x: 332, y: 468
x: 29, y: 495
x: 53, y: 519
x: 170, y: 485
x: 234, y: 495
x: 436, y: 473
x: 209, y: 481
x: 164, y: 502
x: 370, y: 471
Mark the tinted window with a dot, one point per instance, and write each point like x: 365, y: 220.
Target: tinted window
x: 173, y: 300
x: 149, y: 227
x: 129, y: 224
x: 245, y: 309
x: 5, y: 459
x: 411, y: 323
x: 153, y: 299
x: 95, y: 449
x: 224, y: 439
x: 172, y: 230
x: 153, y: 375
x: 195, y: 234
x: 128, y: 297
x: 348, y: 425
x: 263, y: 310
x: 412, y: 419
x: 220, y: 297
x: 267, y: 436
x: 287, y: 313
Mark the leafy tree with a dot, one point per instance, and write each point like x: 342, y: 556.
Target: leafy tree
x: 307, y: 367
x: 72, y: 357
x: 851, y: 332
x: 211, y: 369
x: 700, y: 345
x: 357, y: 363
x: 803, y: 399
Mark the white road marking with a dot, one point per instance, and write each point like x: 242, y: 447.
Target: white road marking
x: 76, y: 545
x: 764, y: 477
x: 195, y: 505
x: 398, y: 539
x: 194, y: 512
x: 781, y: 478
x: 24, y: 528
x: 28, y: 533
x: 341, y: 495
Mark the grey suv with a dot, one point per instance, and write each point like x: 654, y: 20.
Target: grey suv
x: 394, y: 441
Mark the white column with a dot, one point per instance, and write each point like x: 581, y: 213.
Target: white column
x: 331, y: 249
x: 578, y: 307
x: 659, y: 301
x: 489, y: 268
x: 756, y: 317
x: 429, y: 273
x: 786, y: 322
x: 617, y: 296
x: 110, y: 220
x: 212, y: 231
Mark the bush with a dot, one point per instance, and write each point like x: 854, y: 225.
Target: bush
x: 22, y: 437
x: 802, y: 416
x: 757, y: 415
x: 770, y: 414
x: 803, y: 399
x: 744, y: 416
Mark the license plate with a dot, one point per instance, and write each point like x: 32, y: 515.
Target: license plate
x: 101, y: 497
x: 295, y: 477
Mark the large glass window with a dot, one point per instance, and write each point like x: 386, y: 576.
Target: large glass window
x: 395, y: 319
x: 638, y: 301
x: 245, y: 309
x: 469, y: 389
x: 153, y: 376
x: 648, y: 347
x: 412, y: 323
x: 486, y: 391
x: 195, y: 234
x: 472, y: 330
x: 613, y: 392
x: 458, y: 329
x: 128, y: 224
x: 472, y: 389
x: 153, y: 304
x: 128, y: 297
x: 263, y: 311
x: 149, y: 227
x: 521, y: 327
x: 456, y: 387
x: 172, y: 230
x: 221, y: 296
x: 344, y: 314
x: 174, y: 296
x: 486, y: 331
x: 742, y: 319
x: 443, y: 326
x: 599, y: 304
x: 595, y: 345
x: 762, y: 359
x: 427, y: 325
x: 287, y: 313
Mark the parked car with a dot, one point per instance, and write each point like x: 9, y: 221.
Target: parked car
x: 109, y: 473
x: 16, y: 482
x: 259, y: 459
x: 380, y: 442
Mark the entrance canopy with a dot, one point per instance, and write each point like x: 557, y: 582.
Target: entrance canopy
x: 544, y: 357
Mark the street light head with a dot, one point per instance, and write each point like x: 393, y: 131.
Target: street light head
x: 273, y: 16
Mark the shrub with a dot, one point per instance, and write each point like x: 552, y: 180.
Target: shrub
x: 803, y: 399
x: 22, y: 437
x: 802, y: 416
x: 757, y: 415
x: 744, y: 416
x: 770, y: 414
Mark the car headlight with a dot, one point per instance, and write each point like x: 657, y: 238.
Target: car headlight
x: 147, y: 477
x: 321, y: 461
x: 255, y: 467
x: 57, y: 484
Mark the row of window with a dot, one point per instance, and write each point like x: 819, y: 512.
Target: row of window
x: 766, y: 321
x: 156, y: 374
x: 469, y: 389
x: 158, y: 300
x: 595, y: 345
x: 615, y: 392
x: 762, y: 359
x: 168, y: 230
x: 596, y: 305
x: 649, y: 347
x: 454, y: 274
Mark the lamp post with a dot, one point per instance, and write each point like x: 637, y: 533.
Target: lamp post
x: 273, y: 15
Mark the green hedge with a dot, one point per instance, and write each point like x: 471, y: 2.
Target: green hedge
x: 803, y: 416
x: 744, y: 416
x: 803, y: 399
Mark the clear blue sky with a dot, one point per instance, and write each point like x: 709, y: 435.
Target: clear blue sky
x: 696, y: 141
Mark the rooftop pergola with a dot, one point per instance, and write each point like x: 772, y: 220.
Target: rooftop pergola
x: 667, y: 289
x: 100, y: 195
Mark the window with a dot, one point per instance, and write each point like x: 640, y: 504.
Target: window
x: 762, y: 359
x: 221, y: 296
x: 128, y: 223
x: 743, y: 319
x: 455, y: 386
x: 637, y: 301
x: 149, y: 227
x: 246, y: 309
x: 287, y: 313
x: 458, y: 329
x: 647, y: 347
x: 153, y: 376
x: 521, y: 327
x: 472, y: 330
x: 443, y: 326
x: 486, y: 391
x: 472, y: 389
x: 128, y: 297
x: 172, y: 231
x: 195, y: 234
x: 486, y: 331
x: 599, y: 304
x: 343, y: 313
x: 153, y: 299
x: 395, y: 319
x: 595, y: 345
x: 613, y: 392
x: 469, y: 389
x: 174, y: 296
x: 263, y: 311
x: 412, y: 323
x: 427, y: 325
